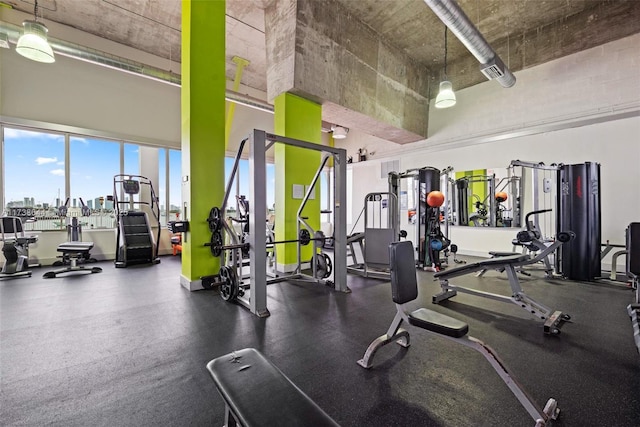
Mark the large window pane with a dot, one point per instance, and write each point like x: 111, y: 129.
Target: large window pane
x: 131, y: 159
x: 93, y: 163
x: 175, y: 185
x: 34, y: 175
x: 161, y: 192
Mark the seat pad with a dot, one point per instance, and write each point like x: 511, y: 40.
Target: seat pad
x: 75, y: 247
x: 259, y: 394
x: 438, y: 323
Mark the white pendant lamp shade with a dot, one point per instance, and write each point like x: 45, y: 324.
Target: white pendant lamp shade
x: 446, y: 98
x: 340, y: 132
x: 33, y: 43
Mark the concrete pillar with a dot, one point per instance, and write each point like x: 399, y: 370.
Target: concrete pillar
x: 203, y: 131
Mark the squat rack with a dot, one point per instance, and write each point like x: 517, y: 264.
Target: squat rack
x: 259, y: 143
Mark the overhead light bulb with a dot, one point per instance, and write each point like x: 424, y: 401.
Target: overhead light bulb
x: 446, y: 98
x: 339, y: 132
x: 33, y: 42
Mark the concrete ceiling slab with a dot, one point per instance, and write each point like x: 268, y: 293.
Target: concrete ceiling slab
x: 523, y: 32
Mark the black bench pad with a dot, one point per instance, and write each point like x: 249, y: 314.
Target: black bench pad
x: 487, y: 263
x: 75, y: 247
x: 503, y: 254
x: 259, y: 394
x: 438, y: 323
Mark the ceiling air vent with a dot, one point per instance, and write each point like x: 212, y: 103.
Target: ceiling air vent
x: 493, y: 69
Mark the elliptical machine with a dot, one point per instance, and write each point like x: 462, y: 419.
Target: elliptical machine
x: 15, y: 248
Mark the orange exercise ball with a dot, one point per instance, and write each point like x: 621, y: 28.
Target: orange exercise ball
x: 435, y: 199
x: 501, y: 196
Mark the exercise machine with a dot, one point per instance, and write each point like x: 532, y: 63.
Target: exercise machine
x: 633, y: 271
x: 427, y: 185
x: 15, y: 248
x: 74, y: 232
x: 369, y: 258
x: 226, y: 244
x: 135, y: 241
x: 553, y: 320
x: 404, y: 289
x: 530, y: 240
x: 75, y: 252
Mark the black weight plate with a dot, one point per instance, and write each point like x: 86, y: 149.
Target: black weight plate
x: 215, y: 218
x: 323, y: 265
x: 216, y: 243
x: 304, y: 237
x: 229, y: 287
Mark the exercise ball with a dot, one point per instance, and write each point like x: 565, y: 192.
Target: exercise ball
x: 436, y: 245
x: 435, y: 199
x: 501, y: 196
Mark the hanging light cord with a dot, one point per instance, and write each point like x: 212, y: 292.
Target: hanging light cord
x: 35, y: 10
x: 445, y: 52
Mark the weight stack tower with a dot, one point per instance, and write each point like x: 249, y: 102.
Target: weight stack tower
x: 579, y: 211
x: 428, y: 181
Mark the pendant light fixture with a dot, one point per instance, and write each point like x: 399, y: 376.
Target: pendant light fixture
x: 446, y: 98
x: 33, y: 42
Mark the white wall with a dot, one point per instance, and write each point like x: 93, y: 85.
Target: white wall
x: 584, y: 107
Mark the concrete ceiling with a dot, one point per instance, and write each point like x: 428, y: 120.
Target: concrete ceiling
x: 523, y: 32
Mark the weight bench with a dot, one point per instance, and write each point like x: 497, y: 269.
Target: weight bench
x: 404, y: 289
x: 257, y: 393
x: 74, y: 252
x: 553, y: 320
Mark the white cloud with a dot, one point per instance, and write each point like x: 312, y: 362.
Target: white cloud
x: 45, y: 160
x: 60, y: 163
x: 57, y: 172
x: 80, y: 139
x: 10, y: 133
x: 88, y: 177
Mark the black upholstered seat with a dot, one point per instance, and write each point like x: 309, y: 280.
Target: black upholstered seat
x: 438, y: 323
x: 258, y: 394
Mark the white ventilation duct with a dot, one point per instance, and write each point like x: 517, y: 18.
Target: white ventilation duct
x: 461, y: 26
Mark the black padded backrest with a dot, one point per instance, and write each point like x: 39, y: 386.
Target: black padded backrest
x: 11, y: 224
x: 404, y: 285
x: 633, y: 248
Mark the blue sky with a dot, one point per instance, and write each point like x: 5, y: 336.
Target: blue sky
x: 34, y: 167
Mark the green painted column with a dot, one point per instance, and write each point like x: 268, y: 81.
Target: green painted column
x: 203, y: 131
x: 297, y: 118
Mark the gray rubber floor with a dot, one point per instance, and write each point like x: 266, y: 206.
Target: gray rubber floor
x: 128, y: 347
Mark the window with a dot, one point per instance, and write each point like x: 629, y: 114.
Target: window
x: 131, y: 159
x: 92, y: 165
x: 175, y: 185
x: 34, y: 175
x: 36, y: 178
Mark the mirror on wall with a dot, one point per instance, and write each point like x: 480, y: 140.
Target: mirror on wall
x: 486, y: 198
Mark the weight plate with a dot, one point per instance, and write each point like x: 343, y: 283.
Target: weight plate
x: 324, y: 265
x: 319, y: 236
x: 564, y: 237
x: 229, y: 286
x: 304, y: 237
x: 215, y: 218
x: 216, y: 243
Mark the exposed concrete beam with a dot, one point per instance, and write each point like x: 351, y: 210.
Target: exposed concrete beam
x: 318, y: 50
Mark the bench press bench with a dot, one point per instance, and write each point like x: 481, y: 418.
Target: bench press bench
x: 404, y: 289
x: 257, y: 393
x: 553, y: 320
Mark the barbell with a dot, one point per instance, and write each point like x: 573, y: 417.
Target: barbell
x: 216, y: 244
